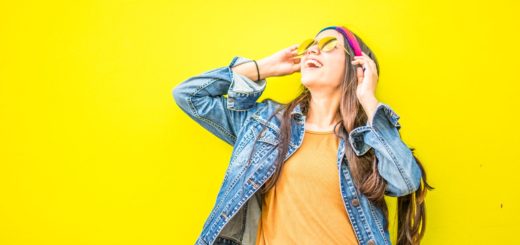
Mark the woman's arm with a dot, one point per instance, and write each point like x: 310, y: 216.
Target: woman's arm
x: 201, y: 97
x: 248, y: 69
x: 396, y: 163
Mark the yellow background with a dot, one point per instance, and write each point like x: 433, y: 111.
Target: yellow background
x: 95, y: 151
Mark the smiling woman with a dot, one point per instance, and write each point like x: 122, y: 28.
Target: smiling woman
x: 316, y: 167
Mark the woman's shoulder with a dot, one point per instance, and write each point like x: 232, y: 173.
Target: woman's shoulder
x: 269, y: 106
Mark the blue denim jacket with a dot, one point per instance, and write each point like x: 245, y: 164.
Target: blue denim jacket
x: 238, y: 119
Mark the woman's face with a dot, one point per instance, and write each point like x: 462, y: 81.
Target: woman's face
x: 331, y: 73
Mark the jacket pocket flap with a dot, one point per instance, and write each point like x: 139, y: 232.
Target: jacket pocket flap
x: 269, y: 137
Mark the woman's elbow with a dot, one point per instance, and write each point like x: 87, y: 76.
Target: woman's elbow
x: 180, y: 96
x: 405, y: 185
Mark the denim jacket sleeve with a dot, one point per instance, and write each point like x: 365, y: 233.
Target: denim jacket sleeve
x: 201, y: 97
x: 396, y: 163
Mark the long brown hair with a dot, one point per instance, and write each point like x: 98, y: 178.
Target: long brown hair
x: 411, y: 208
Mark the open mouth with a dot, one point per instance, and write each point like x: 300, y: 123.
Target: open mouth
x: 313, y: 64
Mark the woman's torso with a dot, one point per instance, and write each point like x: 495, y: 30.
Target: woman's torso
x: 305, y: 206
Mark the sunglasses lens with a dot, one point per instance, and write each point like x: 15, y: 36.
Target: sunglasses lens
x: 325, y: 44
x: 328, y: 43
x: 304, y: 46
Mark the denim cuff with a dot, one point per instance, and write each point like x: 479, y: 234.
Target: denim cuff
x: 243, y: 92
x: 384, y: 119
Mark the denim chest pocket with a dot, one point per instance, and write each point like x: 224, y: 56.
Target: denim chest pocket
x: 267, y: 131
x: 269, y: 137
x: 266, y: 146
x: 258, y: 135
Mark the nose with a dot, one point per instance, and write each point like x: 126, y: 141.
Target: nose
x: 313, y: 48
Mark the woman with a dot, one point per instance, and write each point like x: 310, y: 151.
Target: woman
x: 314, y: 170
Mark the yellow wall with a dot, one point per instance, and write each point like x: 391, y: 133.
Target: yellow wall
x: 95, y: 151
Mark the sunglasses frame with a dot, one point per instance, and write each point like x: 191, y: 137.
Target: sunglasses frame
x: 321, y: 44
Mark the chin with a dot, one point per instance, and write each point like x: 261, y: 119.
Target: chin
x: 308, y: 78
x: 310, y: 82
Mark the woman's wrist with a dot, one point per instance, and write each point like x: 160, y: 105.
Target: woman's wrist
x: 265, y: 67
x: 251, y: 71
x: 369, y: 104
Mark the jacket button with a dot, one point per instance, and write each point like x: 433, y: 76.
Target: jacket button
x: 371, y: 242
x: 355, y: 202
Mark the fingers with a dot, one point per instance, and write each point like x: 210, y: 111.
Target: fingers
x: 361, y: 68
x: 365, y: 61
x: 370, y: 62
x: 292, y: 48
x: 362, y: 64
x: 296, y: 67
x: 294, y: 53
x: 359, y: 74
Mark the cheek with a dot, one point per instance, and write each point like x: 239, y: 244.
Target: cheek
x: 334, y: 70
x: 335, y: 65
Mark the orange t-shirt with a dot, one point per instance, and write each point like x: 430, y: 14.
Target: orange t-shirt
x: 305, y: 205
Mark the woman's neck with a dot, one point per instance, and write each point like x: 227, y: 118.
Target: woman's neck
x: 323, y: 113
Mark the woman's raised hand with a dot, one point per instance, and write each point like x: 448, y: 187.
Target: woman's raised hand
x: 283, y: 62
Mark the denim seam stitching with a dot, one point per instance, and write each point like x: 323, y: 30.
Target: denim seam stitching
x: 235, y: 210
x: 380, y: 226
x: 394, y: 159
x: 261, y: 151
x: 194, y: 111
x: 268, y: 124
x: 224, y: 197
x: 232, y: 73
x: 357, y: 232
x: 362, y: 130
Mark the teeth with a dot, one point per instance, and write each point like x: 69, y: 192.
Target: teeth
x: 316, y: 63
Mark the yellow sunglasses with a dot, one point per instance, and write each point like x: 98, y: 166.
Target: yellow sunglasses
x: 326, y: 44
